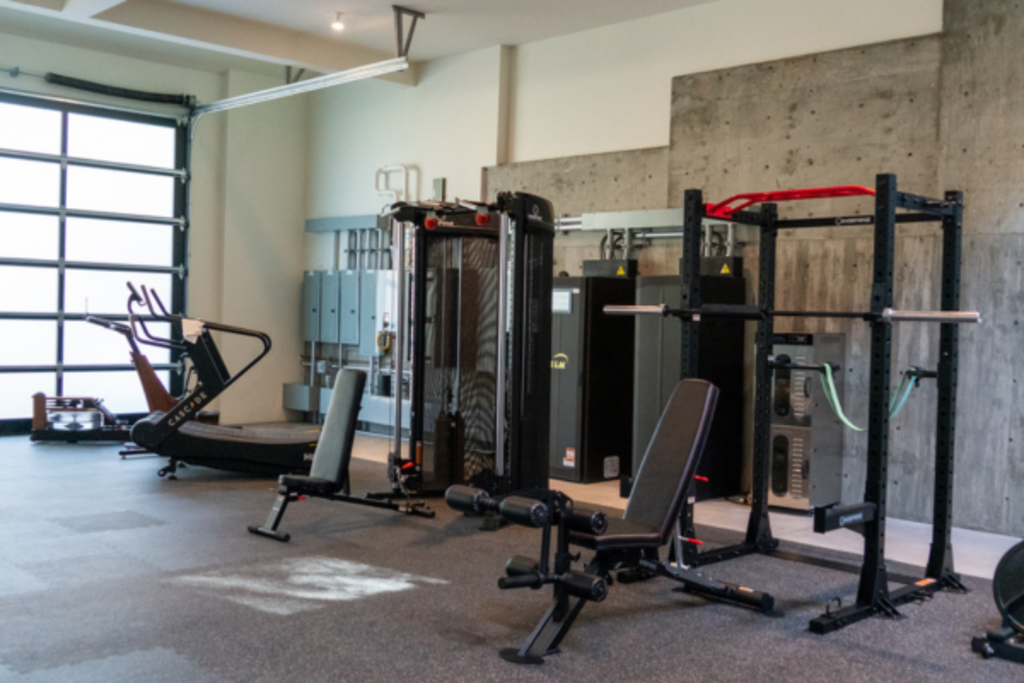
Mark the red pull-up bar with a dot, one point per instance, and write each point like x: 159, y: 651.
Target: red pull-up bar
x: 723, y: 210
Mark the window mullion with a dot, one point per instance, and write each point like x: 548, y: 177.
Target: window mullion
x: 73, y: 225
x: 62, y: 245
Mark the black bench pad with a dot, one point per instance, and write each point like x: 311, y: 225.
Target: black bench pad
x: 298, y: 483
x: 621, y: 535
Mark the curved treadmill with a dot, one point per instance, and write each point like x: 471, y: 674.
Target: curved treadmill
x: 270, y: 451
x: 175, y: 434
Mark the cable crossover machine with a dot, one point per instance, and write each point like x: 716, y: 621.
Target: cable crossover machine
x: 479, y: 291
x: 868, y: 517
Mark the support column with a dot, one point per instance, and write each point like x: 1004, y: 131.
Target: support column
x: 874, y: 584
x: 940, y: 560
x: 759, y: 531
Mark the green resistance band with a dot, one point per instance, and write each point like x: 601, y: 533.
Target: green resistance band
x: 899, y: 399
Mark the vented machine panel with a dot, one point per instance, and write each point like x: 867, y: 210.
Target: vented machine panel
x: 806, y: 442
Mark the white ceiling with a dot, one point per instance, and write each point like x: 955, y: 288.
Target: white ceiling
x: 263, y: 35
x: 451, y: 26
x: 90, y: 37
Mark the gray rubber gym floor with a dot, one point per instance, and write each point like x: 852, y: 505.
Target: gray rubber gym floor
x: 109, y: 573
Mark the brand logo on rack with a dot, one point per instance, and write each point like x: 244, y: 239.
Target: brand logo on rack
x: 850, y: 519
x: 559, y: 361
x: 535, y: 214
x: 855, y: 220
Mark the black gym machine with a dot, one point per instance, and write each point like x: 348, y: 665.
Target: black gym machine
x: 480, y: 338
x: 176, y: 434
x: 627, y: 546
x: 328, y: 478
x: 479, y: 408
x: 867, y: 518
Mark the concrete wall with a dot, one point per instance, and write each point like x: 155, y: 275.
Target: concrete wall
x: 616, y: 181
x: 942, y: 112
x: 982, y: 134
x: 836, y: 118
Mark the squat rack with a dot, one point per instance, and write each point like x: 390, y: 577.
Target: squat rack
x: 868, y: 518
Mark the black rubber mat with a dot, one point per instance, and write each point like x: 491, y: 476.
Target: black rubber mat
x: 107, y: 521
x: 362, y: 594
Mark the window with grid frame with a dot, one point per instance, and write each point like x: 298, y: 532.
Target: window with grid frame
x: 90, y: 199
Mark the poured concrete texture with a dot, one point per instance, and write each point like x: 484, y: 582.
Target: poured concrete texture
x: 982, y: 130
x: 618, y: 181
x: 836, y: 118
x: 982, y: 134
x: 942, y: 113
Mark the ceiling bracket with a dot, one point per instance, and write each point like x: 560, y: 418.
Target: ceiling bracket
x: 402, y: 46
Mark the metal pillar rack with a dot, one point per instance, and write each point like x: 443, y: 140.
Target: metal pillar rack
x: 868, y: 518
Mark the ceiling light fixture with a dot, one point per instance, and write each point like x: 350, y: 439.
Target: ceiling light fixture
x: 336, y: 24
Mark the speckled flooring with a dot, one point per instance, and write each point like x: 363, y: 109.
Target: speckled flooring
x: 109, y: 573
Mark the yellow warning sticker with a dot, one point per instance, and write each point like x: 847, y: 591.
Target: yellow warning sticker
x: 725, y: 269
x: 621, y: 271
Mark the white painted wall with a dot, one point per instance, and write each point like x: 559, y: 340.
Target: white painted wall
x: 447, y: 126
x: 264, y: 227
x: 602, y: 90
x: 609, y: 89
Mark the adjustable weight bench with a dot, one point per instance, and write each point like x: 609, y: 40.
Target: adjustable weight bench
x: 328, y: 477
x: 628, y: 545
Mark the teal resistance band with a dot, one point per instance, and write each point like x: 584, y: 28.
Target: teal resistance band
x: 899, y: 399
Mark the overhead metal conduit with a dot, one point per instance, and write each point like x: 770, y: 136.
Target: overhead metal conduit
x: 357, y: 74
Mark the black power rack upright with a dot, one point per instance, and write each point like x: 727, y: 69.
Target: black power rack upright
x: 873, y: 595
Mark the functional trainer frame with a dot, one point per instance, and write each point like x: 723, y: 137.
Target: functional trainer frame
x: 509, y: 245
